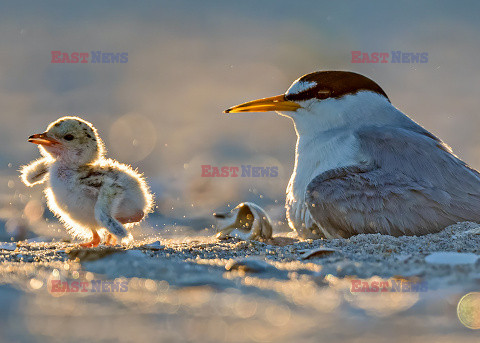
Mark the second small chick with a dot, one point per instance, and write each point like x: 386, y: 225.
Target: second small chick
x: 86, y: 191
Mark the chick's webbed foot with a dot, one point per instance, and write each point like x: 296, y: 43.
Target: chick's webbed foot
x: 93, y: 243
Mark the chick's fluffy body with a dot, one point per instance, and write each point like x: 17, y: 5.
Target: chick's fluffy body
x: 86, y: 191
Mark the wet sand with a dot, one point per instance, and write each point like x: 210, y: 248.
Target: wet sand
x: 199, y: 289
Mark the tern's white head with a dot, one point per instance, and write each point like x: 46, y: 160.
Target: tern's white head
x: 329, y: 100
x: 71, y: 140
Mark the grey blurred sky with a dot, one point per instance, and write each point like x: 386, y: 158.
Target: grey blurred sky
x: 189, y: 60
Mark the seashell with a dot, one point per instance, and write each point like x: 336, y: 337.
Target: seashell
x: 249, y: 265
x: 92, y: 254
x: 319, y: 252
x: 247, y: 221
x: 153, y: 246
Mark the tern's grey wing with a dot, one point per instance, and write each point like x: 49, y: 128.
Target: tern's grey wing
x: 410, y: 184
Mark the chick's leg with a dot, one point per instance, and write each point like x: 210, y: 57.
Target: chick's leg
x: 110, y: 195
x: 94, y: 242
x: 111, y: 240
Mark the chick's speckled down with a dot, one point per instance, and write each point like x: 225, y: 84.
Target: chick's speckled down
x: 85, y: 190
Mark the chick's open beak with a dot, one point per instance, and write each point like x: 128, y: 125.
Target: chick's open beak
x: 43, y: 139
x: 274, y: 103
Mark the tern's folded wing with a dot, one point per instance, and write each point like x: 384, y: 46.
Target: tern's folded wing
x: 411, y: 184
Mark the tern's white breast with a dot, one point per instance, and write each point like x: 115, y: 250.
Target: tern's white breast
x: 314, y: 155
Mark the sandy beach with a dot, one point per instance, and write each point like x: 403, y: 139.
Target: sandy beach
x: 199, y: 289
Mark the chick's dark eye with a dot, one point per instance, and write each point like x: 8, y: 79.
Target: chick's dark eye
x: 68, y: 137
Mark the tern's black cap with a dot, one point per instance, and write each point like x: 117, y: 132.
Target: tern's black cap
x: 333, y: 84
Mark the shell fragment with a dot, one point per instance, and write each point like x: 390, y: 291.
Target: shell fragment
x: 247, y: 221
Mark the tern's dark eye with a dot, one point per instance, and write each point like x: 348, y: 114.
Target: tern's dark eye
x: 68, y: 137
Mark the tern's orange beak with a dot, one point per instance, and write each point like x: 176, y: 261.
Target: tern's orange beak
x: 42, y: 139
x: 274, y: 103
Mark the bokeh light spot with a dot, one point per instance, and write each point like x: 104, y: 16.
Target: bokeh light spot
x: 132, y: 137
x: 468, y: 310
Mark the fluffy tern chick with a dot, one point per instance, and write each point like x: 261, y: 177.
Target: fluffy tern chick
x: 86, y: 191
